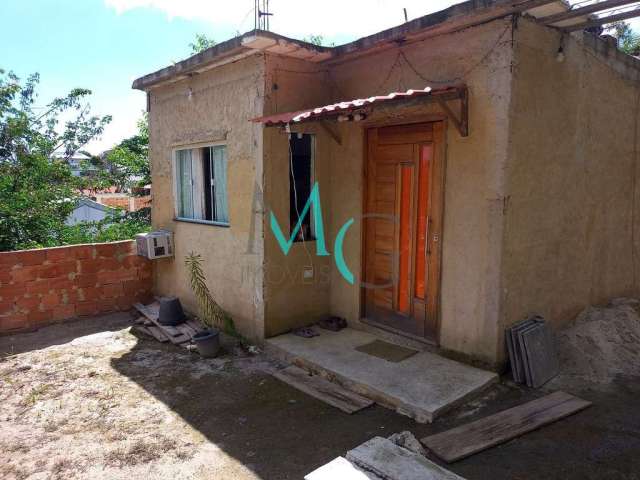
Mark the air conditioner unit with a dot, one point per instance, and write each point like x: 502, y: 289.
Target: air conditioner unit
x: 152, y: 245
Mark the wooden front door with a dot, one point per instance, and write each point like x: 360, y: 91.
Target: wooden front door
x: 403, y: 227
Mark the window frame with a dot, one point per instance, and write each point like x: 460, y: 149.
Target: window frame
x: 312, y: 180
x: 174, y: 171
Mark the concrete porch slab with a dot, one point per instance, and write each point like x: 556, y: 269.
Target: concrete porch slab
x: 422, y: 386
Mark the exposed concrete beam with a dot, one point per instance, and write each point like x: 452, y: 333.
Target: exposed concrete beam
x: 589, y: 9
x: 604, y: 20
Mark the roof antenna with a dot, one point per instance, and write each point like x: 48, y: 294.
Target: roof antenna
x: 262, y: 15
x: 406, y: 17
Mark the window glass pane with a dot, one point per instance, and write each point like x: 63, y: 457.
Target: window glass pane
x: 300, y: 182
x: 219, y: 183
x: 185, y: 188
x: 207, y: 163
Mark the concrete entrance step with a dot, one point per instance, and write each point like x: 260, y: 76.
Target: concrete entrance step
x: 422, y: 386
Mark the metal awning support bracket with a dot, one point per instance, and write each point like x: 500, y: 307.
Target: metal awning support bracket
x: 460, y: 120
x: 332, y: 133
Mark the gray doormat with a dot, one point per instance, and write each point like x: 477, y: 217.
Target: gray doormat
x: 386, y: 351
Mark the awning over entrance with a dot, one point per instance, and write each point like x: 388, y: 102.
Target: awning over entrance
x: 349, y: 110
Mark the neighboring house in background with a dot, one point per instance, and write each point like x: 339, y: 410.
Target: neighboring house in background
x: 139, y: 197
x: 506, y: 190
x: 79, y: 165
x: 125, y: 201
x: 87, y: 210
x: 132, y: 202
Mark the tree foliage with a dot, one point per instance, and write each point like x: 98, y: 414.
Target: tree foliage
x: 37, y: 190
x: 201, y: 43
x: 318, y: 40
x: 126, y: 166
x: 628, y: 40
x: 118, y: 226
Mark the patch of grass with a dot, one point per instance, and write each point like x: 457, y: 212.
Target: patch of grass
x: 140, y: 451
x: 36, y: 394
x: 61, y: 468
x: 17, y: 447
x: 12, y: 471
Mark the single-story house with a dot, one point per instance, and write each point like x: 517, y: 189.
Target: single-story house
x: 498, y: 181
x: 87, y: 210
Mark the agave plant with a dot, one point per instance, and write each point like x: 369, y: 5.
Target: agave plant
x: 211, y: 313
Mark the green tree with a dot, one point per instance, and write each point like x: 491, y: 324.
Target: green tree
x: 628, y: 40
x: 37, y: 190
x: 120, y: 225
x: 318, y: 40
x: 126, y: 166
x: 201, y: 43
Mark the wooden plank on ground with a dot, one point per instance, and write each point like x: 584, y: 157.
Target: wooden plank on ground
x: 158, y: 333
x: 195, y: 324
x: 152, y: 312
x: 186, y: 329
x: 142, y: 329
x: 493, y: 430
x: 323, y: 389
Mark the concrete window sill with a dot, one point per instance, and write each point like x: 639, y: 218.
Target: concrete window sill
x: 202, y: 222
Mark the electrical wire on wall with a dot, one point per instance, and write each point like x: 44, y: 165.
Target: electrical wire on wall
x: 402, y: 57
x: 295, y: 197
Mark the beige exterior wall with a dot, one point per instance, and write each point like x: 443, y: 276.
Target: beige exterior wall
x: 538, y: 198
x: 290, y: 299
x: 571, y: 177
x: 474, y: 181
x: 222, y: 101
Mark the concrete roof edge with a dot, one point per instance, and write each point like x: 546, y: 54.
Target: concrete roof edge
x: 457, y: 17
x: 457, y: 11
x: 227, y: 49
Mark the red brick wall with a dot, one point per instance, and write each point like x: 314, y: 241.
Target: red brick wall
x: 53, y: 284
x: 117, y: 202
x: 141, y: 202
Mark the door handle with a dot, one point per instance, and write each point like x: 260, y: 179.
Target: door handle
x: 427, y: 236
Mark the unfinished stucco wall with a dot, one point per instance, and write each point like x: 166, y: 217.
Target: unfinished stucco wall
x: 222, y: 102
x: 290, y: 299
x: 571, y: 177
x: 473, y: 207
x: 470, y: 291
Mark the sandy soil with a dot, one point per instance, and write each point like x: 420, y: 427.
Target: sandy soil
x: 91, y: 400
x: 602, y: 343
x: 68, y: 411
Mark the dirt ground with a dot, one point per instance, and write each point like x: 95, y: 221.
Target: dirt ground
x: 92, y: 400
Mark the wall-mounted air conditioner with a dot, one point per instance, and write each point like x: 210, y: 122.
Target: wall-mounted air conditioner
x: 152, y: 245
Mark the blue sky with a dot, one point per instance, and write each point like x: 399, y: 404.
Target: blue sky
x: 104, y: 45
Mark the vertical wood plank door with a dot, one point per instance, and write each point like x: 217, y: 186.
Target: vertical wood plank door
x: 403, y: 223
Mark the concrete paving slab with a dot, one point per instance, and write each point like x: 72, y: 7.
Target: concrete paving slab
x: 422, y: 386
x: 391, y: 462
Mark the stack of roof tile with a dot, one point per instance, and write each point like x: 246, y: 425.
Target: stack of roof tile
x: 532, y: 352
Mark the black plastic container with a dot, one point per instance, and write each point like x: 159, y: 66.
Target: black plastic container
x: 208, y: 343
x: 171, y: 313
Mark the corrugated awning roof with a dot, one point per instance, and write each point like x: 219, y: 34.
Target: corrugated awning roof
x: 350, y: 106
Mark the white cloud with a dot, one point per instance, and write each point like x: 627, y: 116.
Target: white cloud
x: 330, y: 18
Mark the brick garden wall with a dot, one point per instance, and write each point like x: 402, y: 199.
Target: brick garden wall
x: 48, y: 285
